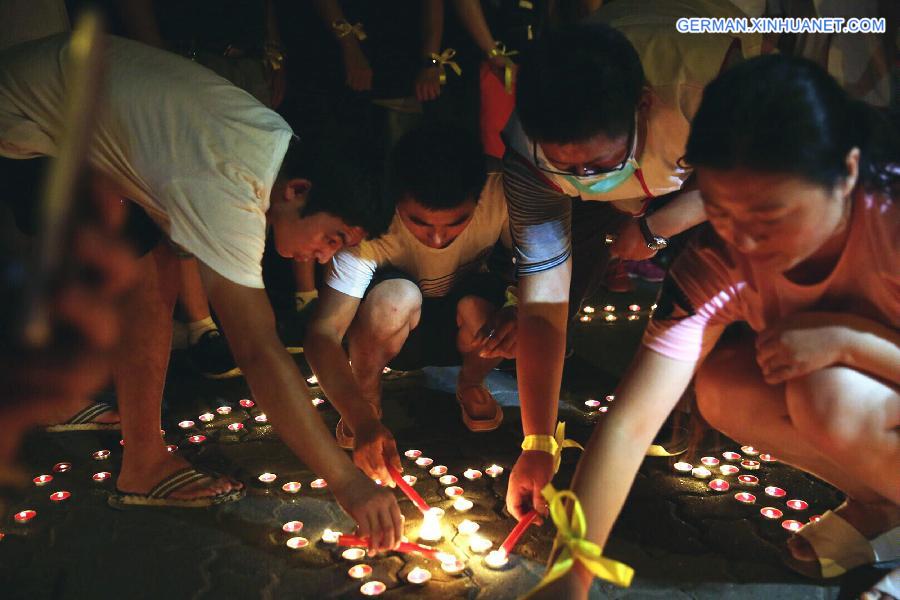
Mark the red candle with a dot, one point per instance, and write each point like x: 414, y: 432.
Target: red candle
x: 775, y: 492
x: 745, y: 497
x: 247, y: 403
x: 42, y: 479
x: 728, y: 469
x: 510, y: 542
x: 731, y: 456
x: 770, y: 512
x: 405, y: 547
x: 719, y: 485
x: 23, y: 516
x: 792, y: 525
x: 62, y: 467
x: 60, y: 496
x: 101, y: 476
x: 197, y: 439
x: 748, y: 480
x: 408, y: 489
x: 797, y: 504
x: 767, y: 458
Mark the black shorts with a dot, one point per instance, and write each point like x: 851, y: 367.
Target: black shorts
x: 433, y: 342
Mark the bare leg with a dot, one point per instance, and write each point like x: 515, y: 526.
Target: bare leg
x: 472, y: 313
x: 390, y: 311
x: 808, y: 423
x: 304, y: 276
x: 191, y: 295
x: 140, y: 375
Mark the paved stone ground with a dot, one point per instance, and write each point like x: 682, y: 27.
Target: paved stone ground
x: 683, y: 540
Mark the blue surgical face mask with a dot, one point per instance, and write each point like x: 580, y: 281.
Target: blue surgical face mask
x: 604, y: 182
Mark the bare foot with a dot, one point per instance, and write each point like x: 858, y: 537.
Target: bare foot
x: 476, y: 400
x: 143, y: 477
x: 870, y: 520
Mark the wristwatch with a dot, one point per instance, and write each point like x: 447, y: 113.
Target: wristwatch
x: 654, y: 242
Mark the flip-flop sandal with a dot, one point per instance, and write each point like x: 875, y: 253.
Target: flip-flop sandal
x: 83, y: 420
x: 344, y: 436
x: 840, y: 547
x: 479, y: 425
x: 159, y: 496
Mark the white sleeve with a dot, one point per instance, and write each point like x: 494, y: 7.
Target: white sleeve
x: 350, y: 273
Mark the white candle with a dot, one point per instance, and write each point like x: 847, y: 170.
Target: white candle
x: 292, y: 487
x: 353, y: 553
x: 418, y: 576
x: 224, y: 410
x: 437, y: 470
x: 472, y: 474
x: 359, y: 571
x: 683, y: 467
x: 462, y: 504
x: 448, y: 480
x: 588, y: 310
x: 185, y: 424
x: 318, y: 484
x: 496, y: 559
x: 467, y: 527
x: 292, y: 526
x: 100, y: 455
x: 701, y: 472
x: 479, y: 544
x: 295, y: 543
x: 268, y: 477
x: 330, y: 537
x: 494, y: 470
x: 413, y: 454
x: 372, y: 588
x: 431, y: 525
x: 424, y: 461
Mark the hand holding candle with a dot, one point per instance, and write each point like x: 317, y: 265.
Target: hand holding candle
x: 407, y: 489
x: 354, y: 541
x: 510, y: 542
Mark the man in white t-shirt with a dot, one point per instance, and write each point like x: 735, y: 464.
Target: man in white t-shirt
x: 212, y: 168
x: 420, y: 295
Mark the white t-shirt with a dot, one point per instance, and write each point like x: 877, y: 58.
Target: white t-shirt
x: 197, y: 153
x: 435, y: 270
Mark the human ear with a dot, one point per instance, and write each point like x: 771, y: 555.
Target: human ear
x: 851, y: 161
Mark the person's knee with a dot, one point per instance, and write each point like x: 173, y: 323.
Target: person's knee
x: 472, y: 312
x: 390, y: 307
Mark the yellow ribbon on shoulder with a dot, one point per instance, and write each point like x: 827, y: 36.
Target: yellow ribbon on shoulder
x: 508, y: 65
x: 575, y: 548
x: 445, y: 59
x: 343, y: 29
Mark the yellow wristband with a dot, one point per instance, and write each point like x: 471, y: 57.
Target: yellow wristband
x: 541, y: 443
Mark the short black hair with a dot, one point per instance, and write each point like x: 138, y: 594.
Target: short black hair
x: 346, y: 183
x: 775, y: 114
x: 578, y: 82
x: 439, y: 165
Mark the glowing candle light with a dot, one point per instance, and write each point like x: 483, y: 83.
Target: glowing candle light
x: 719, y: 485
x: 710, y: 461
x: 359, y: 571
x: 353, y: 553
x: 585, y: 318
x: 815, y: 518
x: 407, y: 489
x: 728, y: 470
x: 312, y: 380
x: 467, y: 527
x: 418, y: 576
x: 479, y: 544
x: 185, y: 424
x: 448, y: 479
x: 462, y: 504
x: 633, y: 317
x: 318, y: 484
x: 268, y: 477
x: 122, y: 443
x: 261, y: 418
x: 295, y: 543
x: 60, y: 496
x: 372, y: 588
x: 171, y: 447
x: 745, y: 497
x: 197, y: 439
x: 634, y: 307
x: 496, y: 559
x: 589, y: 310
x: 330, y: 537
x: 23, y: 516
x: 42, y: 480
x: 454, y: 491
x: 731, y: 456
x: 100, y: 455
x: 318, y: 401
x: 610, y: 317
x: 750, y: 465
x: 683, y: 467
x: 410, y: 479
x: 770, y: 512
x: 797, y: 504
x: 62, y: 467
x: 591, y: 403
x: 224, y: 410
x: 748, y: 480
x: 412, y: 454
x: 792, y: 525
x: 235, y: 427
x: 452, y: 565
x: 775, y: 492
x: 424, y: 461
x: 206, y: 417
x: 431, y: 525
x: 767, y: 458
x: 701, y: 472
x: 603, y: 409
x: 101, y: 476
x: 292, y: 526
x: 438, y: 470
x: 247, y: 403
x: 494, y: 471
x: 749, y: 450
x: 609, y: 308
x: 386, y: 370
x: 472, y: 474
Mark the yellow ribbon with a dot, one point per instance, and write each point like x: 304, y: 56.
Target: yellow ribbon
x: 501, y: 51
x: 570, y: 536
x: 343, y: 29
x: 561, y: 444
x: 443, y: 59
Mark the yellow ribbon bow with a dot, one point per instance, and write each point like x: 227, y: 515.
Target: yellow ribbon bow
x: 570, y: 535
x: 343, y: 29
x: 561, y: 444
x: 508, y: 65
x: 443, y: 59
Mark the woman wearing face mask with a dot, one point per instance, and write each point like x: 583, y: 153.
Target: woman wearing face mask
x: 801, y: 186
